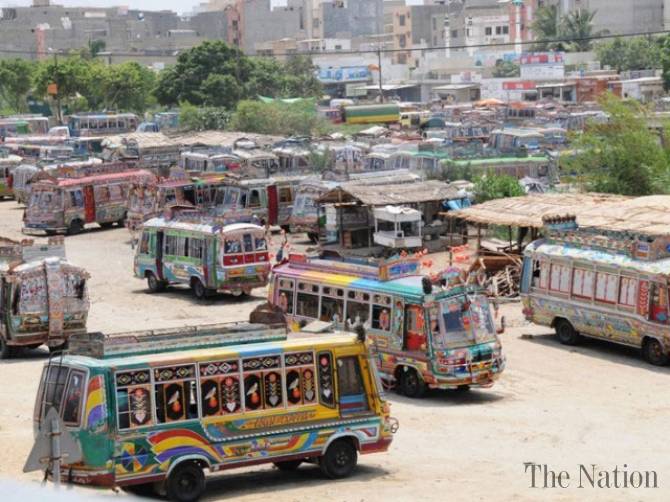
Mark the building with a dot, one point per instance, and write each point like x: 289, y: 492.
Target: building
x: 621, y: 16
x: 350, y: 18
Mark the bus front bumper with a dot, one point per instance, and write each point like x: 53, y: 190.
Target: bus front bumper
x: 42, y: 228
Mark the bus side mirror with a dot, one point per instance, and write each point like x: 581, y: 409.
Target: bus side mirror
x: 503, y: 325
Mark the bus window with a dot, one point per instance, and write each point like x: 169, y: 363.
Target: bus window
x: 381, y: 313
x: 175, y: 391
x: 55, y: 385
x: 144, y: 243
x: 248, y: 243
x: 308, y: 300
x: 659, y: 304
x: 300, y: 379
x: 133, y: 399
x: 285, y: 295
x: 353, y: 398
x: 261, y: 244
x: 326, y: 385
x: 220, y: 394
x: 73, y: 398
x: 262, y: 389
x: 232, y: 246
x: 254, y: 199
x: 358, y: 307
x: 285, y: 196
x: 195, y: 248
x: 101, y: 194
x: 76, y: 198
x: 331, y: 307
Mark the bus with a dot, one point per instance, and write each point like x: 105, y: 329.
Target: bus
x: 606, y: 285
x: 217, y: 161
x: 438, y: 336
x: 152, y: 417
x: 102, y: 124
x: 43, y: 297
x: 66, y: 205
x: 203, y: 252
x: 7, y: 165
x: 21, y: 178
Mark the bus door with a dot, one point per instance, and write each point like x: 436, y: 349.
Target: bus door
x: 353, y: 398
x: 89, y: 204
x: 159, y: 254
x: 415, y: 333
x: 273, y: 204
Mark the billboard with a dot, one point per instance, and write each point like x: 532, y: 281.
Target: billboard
x: 343, y: 74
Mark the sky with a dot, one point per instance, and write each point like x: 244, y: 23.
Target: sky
x: 180, y: 6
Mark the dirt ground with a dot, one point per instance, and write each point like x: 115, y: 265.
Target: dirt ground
x: 593, y: 404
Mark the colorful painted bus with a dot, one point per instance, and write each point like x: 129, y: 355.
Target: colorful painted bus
x: 426, y: 336
x: 67, y: 205
x: 205, y: 253
x: 102, y: 124
x: 372, y: 114
x: 152, y: 418
x: 607, y: 285
x: 43, y: 298
x: 7, y: 165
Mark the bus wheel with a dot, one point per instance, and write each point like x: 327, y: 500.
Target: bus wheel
x: 75, y: 227
x: 198, y: 288
x: 155, y: 285
x: 411, y: 384
x: 57, y: 348
x: 107, y: 224
x: 313, y: 237
x: 288, y: 465
x: 653, y: 352
x: 122, y: 221
x: 6, y: 351
x: 340, y: 459
x: 566, y: 333
x: 186, y: 482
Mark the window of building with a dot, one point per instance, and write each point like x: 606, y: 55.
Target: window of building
x: 606, y: 287
x: 505, y: 30
x: 401, y: 20
x: 628, y: 291
x: 454, y: 33
x: 583, y: 283
x: 175, y: 393
x: 468, y: 32
x: 402, y: 41
x: 488, y: 31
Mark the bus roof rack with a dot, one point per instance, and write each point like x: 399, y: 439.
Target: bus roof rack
x: 103, y: 346
x: 388, y: 269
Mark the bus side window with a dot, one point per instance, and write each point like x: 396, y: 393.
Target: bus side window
x: 285, y: 295
x: 220, y: 388
x: 326, y: 385
x: 76, y: 198
x: 300, y: 379
x: 133, y: 399
x: 175, y: 391
x: 262, y: 389
x: 659, y: 304
x: 358, y: 307
x: 254, y: 199
x: 73, y: 398
x: 350, y: 385
x: 248, y: 243
x: 144, y: 244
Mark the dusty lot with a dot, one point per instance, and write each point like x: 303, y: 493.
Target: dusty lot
x: 594, y: 404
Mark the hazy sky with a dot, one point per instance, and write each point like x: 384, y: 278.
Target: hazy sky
x: 180, y: 6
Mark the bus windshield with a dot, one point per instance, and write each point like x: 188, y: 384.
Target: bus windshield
x: 45, y: 201
x: 61, y: 388
x: 463, y: 321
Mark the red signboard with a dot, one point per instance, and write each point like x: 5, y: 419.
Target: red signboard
x: 542, y: 58
x: 520, y: 85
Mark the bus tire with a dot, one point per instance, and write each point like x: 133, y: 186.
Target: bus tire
x: 340, y: 459
x: 6, y: 351
x: 653, y: 353
x: 76, y: 227
x: 154, y: 284
x: 286, y: 228
x: 199, y: 289
x: 288, y: 465
x: 411, y: 383
x: 122, y: 221
x: 186, y: 482
x: 313, y: 237
x: 567, y: 335
x: 107, y: 224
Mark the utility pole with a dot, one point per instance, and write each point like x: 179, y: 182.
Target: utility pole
x: 57, y: 82
x: 379, y: 64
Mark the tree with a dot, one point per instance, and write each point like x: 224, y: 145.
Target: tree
x: 96, y: 46
x: 493, y: 186
x: 221, y: 90
x: 577, y: 29
x: 16, y: 76
x: 126, y: 86
x: 545, y: 27
x: 506, y: 69
x: 278, y: 118
x: 622, y: 156
x: 72, y: 76
x: 638, y: 53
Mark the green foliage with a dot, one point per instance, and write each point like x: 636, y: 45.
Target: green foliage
x: 638, y: 53
x: 16, y: 77
x: 665, y: 61
x: 622, y: 156
x: 566, y: 33
x: 215, y: 74
x: 278, y: 118
x: 506, y: 69
x: 96, y: 46
x: 193, y: 118
x: 493, y: 186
